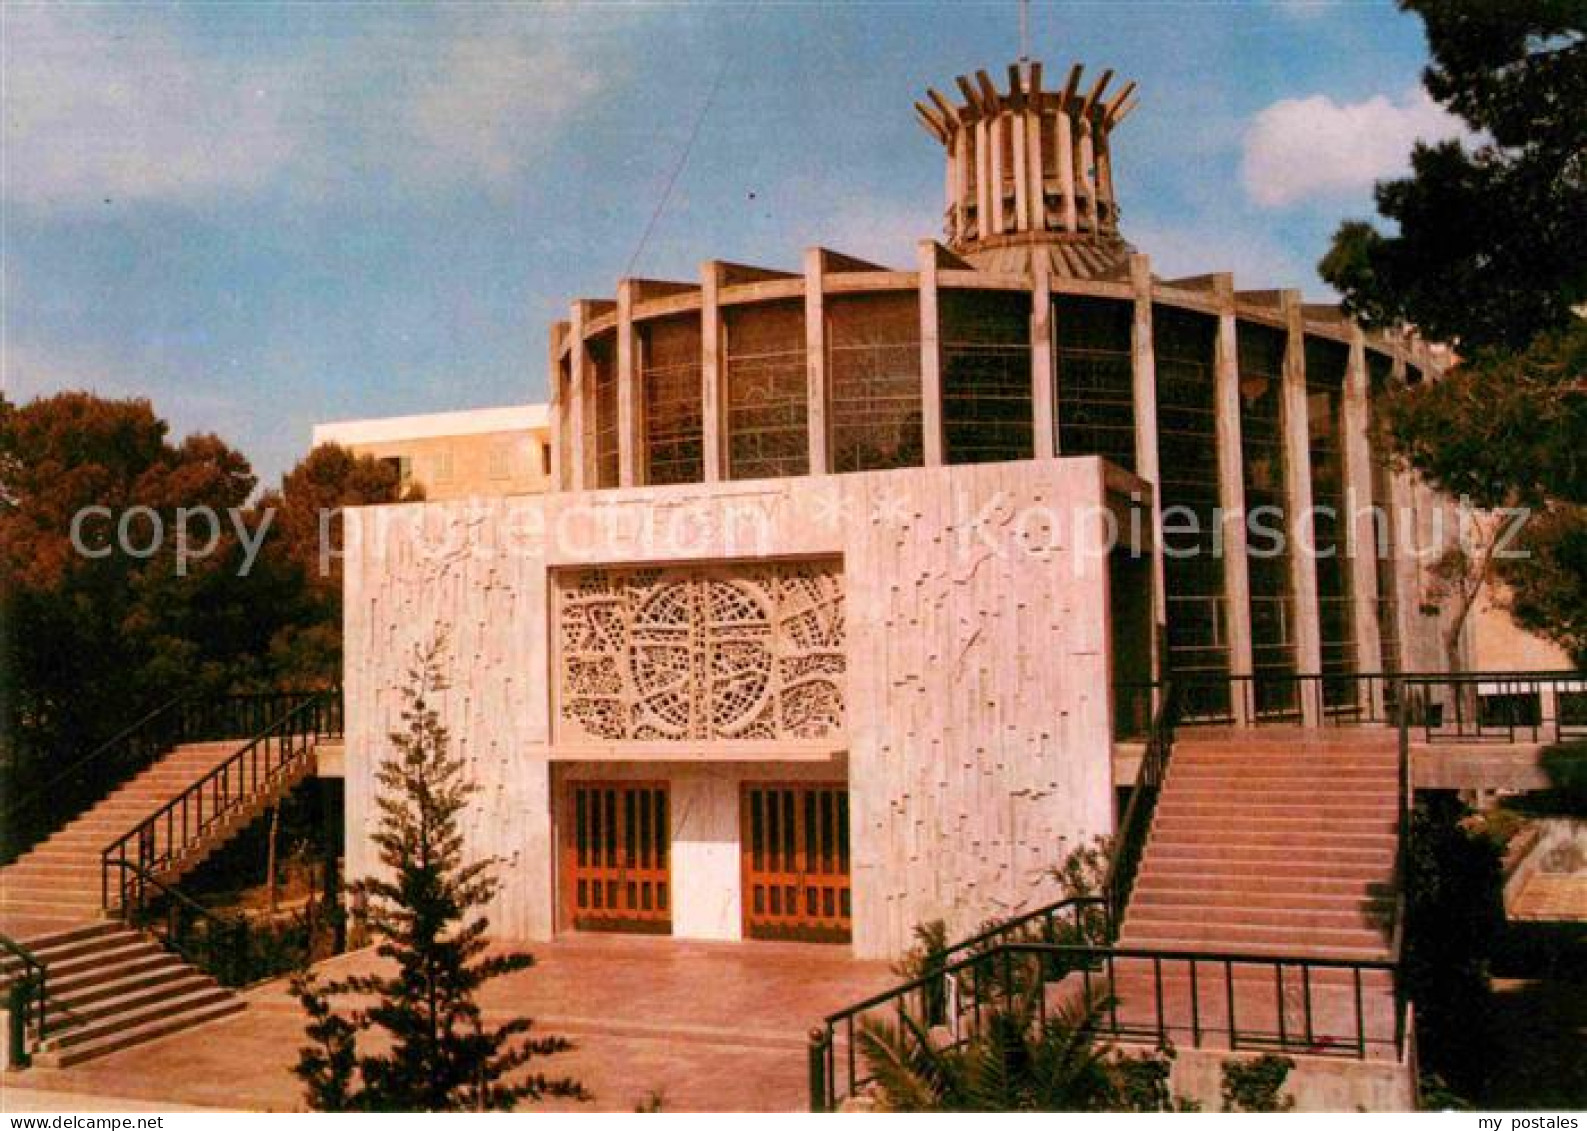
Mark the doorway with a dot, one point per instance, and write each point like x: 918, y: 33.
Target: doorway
x: 616, y: 857
x: 796, y: 862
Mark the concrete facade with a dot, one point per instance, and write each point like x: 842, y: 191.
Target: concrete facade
x: 975, y: 731
x: 456, y: 455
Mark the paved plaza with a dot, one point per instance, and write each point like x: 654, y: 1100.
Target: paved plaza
x: 708, y: 1026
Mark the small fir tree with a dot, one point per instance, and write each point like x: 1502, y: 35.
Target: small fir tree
x: 425, y: 917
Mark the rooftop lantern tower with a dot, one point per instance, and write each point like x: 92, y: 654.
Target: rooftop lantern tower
x: 1030, y: 171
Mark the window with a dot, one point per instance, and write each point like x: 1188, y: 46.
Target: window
x: 673, y: 418
x: 986, y: 392
x: 767, y: 392
x: 1096, y: 379
x: 501, y: 460
x: 402, y: 465
x: 873, y: 373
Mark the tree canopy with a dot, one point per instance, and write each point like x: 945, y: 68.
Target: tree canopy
x: 1488, y: 252
x: 97, y: 632
x: 1489, y: 235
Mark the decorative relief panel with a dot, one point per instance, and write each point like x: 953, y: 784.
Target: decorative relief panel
x: 720, y: 653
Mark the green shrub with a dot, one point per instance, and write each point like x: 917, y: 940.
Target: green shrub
x: 1257, y: 1085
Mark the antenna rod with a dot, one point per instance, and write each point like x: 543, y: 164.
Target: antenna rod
x: 1024, y: 31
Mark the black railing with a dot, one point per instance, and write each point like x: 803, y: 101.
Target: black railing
x: 184, y: 718
x: 27, y: 1006
x: 1497, y: 707
x: 162, y: 841
x: 70, y: 790
x: 1074, y: 919
x: 1129, y: 839
x: 1232, y: 1000
x: 1262, y: 698
x: 934, y: 994
x: 233, y: 949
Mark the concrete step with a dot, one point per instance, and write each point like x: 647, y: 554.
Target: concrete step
x: 122, y: 1000
x: 159, y: 1008
x: 1357, y: 902
x: 41, y: 888
x: 1213, y: 788
x: 109, y: 1038
x: 1302, y: 921
x: 1328, y: 808
x: 1261, y: 851
x: 91, y: 969
x: 1239, y: 885
x: 33, y: 908
x: 172, y: 973
x: 1235, y: 937
x: 1279, y: 834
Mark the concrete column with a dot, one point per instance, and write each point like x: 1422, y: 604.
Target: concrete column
x: 1033, y: 156
x: 983, y: 181
x: 578, y: 401
x: 1231, y: 489
x: 1088, y: 174
x: 997, y: 129
x: 711, y: 391
x: 559, y: 405
x: 816, y: 362
x: 1066, y: 171
x: 1303, y: 538
x: 1016, y: 124
x: 962, y: 141
x: 630, y: 437
x: 1041, y: 361
x: 1145, y: 394
x: 930, y: 356
x: 1361, y: 531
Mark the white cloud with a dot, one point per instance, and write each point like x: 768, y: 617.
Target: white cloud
x: 493, y: 103
x: 137, y: 110
x: 90, y: 114
x: 881, y: 231
x: 1216, y: 243
x: 1303, y: 9
x: 1302, y: 148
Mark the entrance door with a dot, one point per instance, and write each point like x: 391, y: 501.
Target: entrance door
x: 616, y: 863
x: 796, y: 862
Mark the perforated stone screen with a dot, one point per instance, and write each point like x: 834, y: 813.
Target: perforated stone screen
x: 730, y: 652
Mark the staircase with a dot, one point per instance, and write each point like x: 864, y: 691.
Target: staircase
x: 1272, y: 841
x: 1279, y: 843
x: 57, y: 884
x: 110, y: 985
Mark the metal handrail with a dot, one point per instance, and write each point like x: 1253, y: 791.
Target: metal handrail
x: 1240, y: 698
x: 35, y: 977
x: 235, y: 929
x: 1130, y: 838
x: 1076, y: 904
x: 186, y: 717
x: 261, y: 761
x: 1465, y: 690
x: 1100, y: 962
x: 98, y: 752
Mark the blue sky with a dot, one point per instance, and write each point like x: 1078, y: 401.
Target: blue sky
x: 261, y: 216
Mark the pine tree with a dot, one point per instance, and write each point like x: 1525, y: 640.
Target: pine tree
x: 424, y: 912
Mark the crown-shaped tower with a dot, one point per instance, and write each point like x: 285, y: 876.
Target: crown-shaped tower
x: 1031, y: 170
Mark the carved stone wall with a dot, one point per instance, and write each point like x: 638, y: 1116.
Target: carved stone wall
x: 744, y: 651
x: 950, y: 624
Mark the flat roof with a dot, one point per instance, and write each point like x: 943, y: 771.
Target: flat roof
x: 468, y: 422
